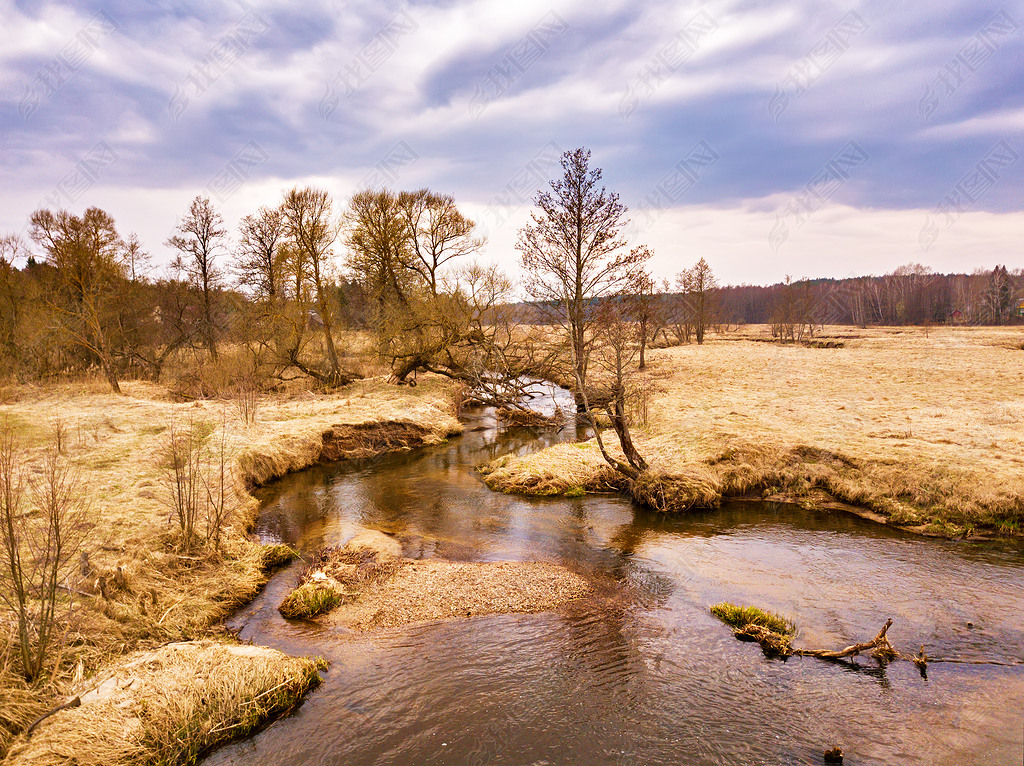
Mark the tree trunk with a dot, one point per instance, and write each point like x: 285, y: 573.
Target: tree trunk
x: 616, y: 413
x: 643, y: 343
x: 211, y: 343
x: 111, y: 376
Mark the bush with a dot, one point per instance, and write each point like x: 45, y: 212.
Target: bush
x: 198, y: 481
x: 38, y: 547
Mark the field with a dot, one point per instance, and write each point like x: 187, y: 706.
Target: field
x: 156, y: 590
x: 919, y: 428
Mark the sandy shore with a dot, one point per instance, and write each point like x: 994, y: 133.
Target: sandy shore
x: 378, y: 588
x: 442, y: 590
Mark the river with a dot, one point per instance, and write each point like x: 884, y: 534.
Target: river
x: 641, y: 673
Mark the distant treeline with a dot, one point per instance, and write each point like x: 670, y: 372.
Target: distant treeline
x: 910, y: 295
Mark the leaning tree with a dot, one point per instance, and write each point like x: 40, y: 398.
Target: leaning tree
x: 579, y: 267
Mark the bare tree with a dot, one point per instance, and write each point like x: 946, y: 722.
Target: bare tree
x: 160, y: 320
x: 793, y: 313
x: 437, y: 232
x: 468, y: 331
x: 200, y: 238
x: 311, y: 233
x: 258, y: 259
x: 647, y: 310
x: 379, y: 246
x: 678, y: 315
x: 11, y: 297
x: 197, y: 479
x: 615, y: 353
x: 87, y: 255
x: 700, y: 292
x: 573, y: 253
x: 1000, y: 296
x: 136, y: 260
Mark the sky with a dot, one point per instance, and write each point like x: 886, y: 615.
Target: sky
x: 770, y: 137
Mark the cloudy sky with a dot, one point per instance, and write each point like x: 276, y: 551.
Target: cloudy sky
x: 771, y: 137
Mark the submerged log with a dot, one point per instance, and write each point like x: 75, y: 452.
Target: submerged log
x: 882, y: 650
x: 775, y: 644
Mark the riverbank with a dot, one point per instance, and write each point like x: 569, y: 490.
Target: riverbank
x: 156, y: 590
x: 171, y: 704
x: 920, y: 428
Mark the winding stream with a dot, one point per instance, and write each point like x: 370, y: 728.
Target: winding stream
x: 640, y: 674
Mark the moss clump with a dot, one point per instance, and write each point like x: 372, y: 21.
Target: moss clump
x: 276, y: 555
x: 310, y: 599
x: 740, y: 617
x: 574, y: 492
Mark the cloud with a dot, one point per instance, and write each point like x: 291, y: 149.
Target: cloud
x: 177, y: 92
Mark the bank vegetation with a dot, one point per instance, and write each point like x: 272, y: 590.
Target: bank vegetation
x: 157, y: 547
x: 916, y: 428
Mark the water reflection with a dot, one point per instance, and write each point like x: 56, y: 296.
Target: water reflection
x: 641, y: 673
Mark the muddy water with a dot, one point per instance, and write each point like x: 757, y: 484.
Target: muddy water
x: 642, y: 674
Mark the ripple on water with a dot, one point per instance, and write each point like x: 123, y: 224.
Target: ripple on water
x: 641, y: 673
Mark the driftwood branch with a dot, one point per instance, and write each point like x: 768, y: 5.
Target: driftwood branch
x: 878, y: 647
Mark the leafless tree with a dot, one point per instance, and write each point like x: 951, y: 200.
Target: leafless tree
x: 700, y: 292
x: 197, y: 481
x: 647, y: 310
x: 574, y: 256
x: 12, y: 297
x: 437, y: 233
x: 379, y: 246
x: 87, y: 255
x: 311, y: 232
x: 136, y: 260
x: 38, y: 546
x: 615, y: 355
x: 793, y: 315
x: 200, y: 239
x: 259, y: 255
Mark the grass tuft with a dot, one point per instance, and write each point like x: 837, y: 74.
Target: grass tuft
x: 276, y: 556
x: 311, y: 599
x: 740, y: 616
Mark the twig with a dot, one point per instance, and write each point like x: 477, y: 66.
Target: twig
x: 73, y: 702
x: 176, y: 603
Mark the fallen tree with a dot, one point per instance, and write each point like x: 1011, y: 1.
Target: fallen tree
x: 774, y: 634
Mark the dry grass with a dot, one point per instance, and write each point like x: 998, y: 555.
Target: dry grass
x: 924, y: 430
x: 115, y: 442
x: 171, y: 705
x: 276, y: 555
x: 564, y: 469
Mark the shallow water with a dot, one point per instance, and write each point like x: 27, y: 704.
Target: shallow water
x: 641, y: 674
